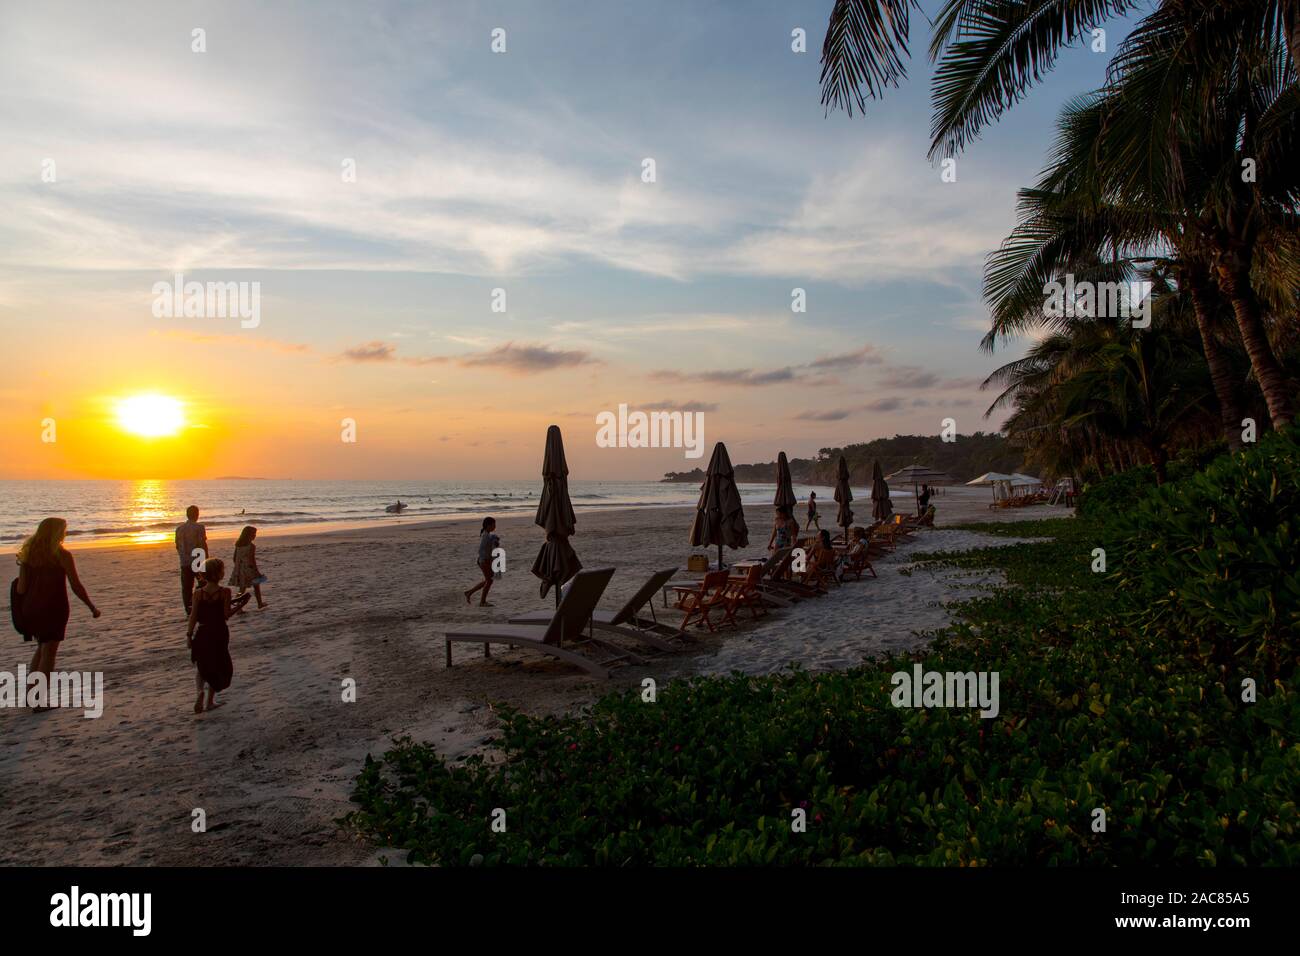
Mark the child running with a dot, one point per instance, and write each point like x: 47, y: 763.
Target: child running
x: 487, y: 543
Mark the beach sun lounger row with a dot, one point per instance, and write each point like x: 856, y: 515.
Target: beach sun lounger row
x: 713, y: 603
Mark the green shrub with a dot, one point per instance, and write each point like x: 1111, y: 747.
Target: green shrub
x: 1214, y: 559
x: 1115, y: 493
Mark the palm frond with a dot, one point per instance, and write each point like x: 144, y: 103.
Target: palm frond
x: 863, y: 53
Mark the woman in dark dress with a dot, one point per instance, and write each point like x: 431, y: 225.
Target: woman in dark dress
x: 210, y: 644
x: 45, y: 570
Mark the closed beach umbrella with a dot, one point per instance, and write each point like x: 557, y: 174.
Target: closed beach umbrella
x: 557, y: 561
x: 784, y: 485
x: 881, y: 507
x: 844, y: 495
x: 719, y: 517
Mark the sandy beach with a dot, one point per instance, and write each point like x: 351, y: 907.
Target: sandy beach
x: 273, y: 767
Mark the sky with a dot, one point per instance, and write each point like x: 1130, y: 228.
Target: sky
x: 378, y: 172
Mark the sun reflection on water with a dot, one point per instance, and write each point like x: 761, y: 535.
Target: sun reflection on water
x: 148, y: 506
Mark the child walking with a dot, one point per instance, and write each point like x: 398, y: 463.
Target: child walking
x: 487, y: 543
x: 246, y: 574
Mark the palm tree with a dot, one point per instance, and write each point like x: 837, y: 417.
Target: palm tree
x: 1077, y: 222
x: 990, y: 53
x: 1088, y: 394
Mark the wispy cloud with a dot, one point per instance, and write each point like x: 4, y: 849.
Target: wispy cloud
x: 527, y: 359
x: 668, y: 405
x: 810, y: 373
x: 830, y: 415
x: 370, y: 352
x: 747, y: 377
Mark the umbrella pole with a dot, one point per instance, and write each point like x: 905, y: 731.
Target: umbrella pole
x: 719, y: 556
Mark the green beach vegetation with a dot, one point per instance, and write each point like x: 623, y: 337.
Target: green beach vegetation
x: 1161, y: 692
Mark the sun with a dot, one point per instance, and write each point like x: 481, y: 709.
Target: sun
x: 150, y: 416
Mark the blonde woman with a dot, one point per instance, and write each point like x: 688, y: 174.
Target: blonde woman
x: 45, y: 569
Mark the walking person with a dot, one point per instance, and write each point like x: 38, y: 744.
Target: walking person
x: 45, y: 571
x: 208, y: 636
x: 813, y: 519
x: 487, y: 543
x: 246, y: 573
x: 923, y: 501
x: 190, y: 537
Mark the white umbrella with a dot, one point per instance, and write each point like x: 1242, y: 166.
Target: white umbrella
x: 993, y: 478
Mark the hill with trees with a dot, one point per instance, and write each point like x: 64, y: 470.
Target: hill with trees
x: 965, y: 458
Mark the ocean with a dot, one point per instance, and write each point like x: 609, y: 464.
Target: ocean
x: 101, y: 512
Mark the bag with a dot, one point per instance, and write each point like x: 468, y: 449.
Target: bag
x: 16, y: 610
x: 697, y: 562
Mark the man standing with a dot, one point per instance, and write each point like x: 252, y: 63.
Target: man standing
x: 923, y: 501
x: 190, y: 536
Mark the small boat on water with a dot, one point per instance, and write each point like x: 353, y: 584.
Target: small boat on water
x: 396, y: 509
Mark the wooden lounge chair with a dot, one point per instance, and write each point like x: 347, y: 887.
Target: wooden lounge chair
x: 629, y: 620
x: 779, y: 579
x: 743, y: 592
x: 770, y: 566
x: 855, y: 564
x: 703, y: 599
x: 566, y: 624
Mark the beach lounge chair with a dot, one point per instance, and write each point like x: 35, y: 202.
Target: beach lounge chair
x: 769, y: 573
x: 743, y: 592
x: 779, y: 578
x: 703, y: 599
x: 566, y: 624
x: 855, y: 564
x: 629, y: 620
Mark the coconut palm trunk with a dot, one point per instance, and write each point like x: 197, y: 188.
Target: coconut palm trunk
x: 1204, y: 301
x: 1234, y: 279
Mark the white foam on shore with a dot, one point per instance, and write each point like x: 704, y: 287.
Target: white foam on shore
x: 862, y: 619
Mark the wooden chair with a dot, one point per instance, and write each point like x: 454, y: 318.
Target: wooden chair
x: 743, y: 592
x: 700, y: 602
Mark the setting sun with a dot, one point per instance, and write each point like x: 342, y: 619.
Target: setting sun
x: 150, y: 416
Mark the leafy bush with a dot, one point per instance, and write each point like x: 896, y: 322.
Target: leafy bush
x: 1093, y: 714
x: 1214, y: 558
x: 1116, y: 493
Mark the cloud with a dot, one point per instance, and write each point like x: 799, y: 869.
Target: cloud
x: 668, y: 405
x: 526, y: 359
x: 830, y: 415
x: 809, y: 373
x: 883, y: 405
x: 867, y: 355
x: 370, y: 352
x: 746, y: 377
